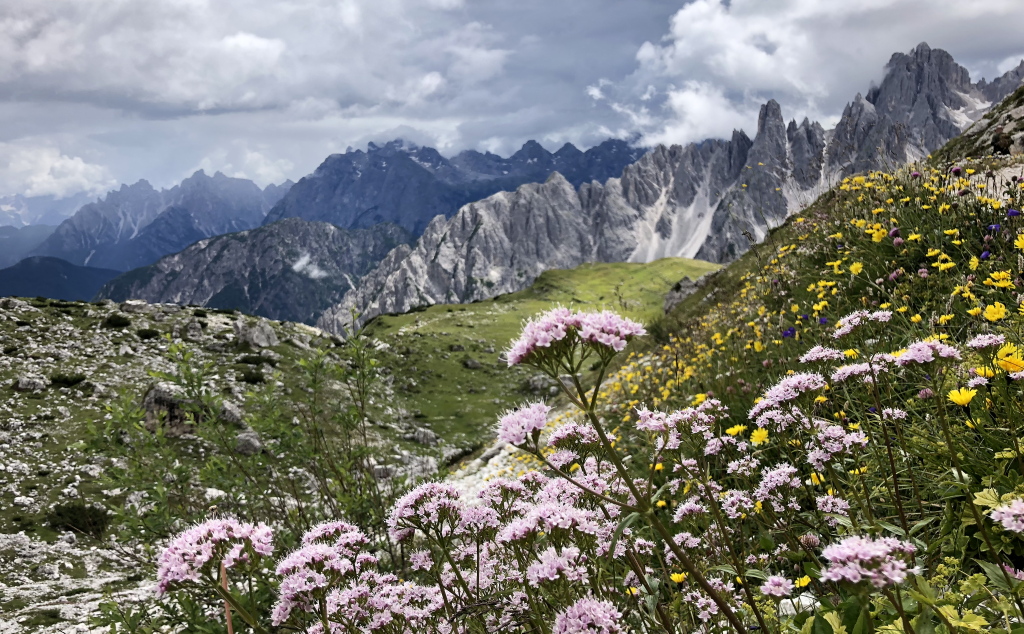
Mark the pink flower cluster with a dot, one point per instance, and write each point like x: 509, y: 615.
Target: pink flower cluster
x: 432, y: 505
x: 776, y: 586
x: 788, y: 389
x: 1011, y: 516
x: 518, y: 425
x: 604, y: 328
x: 846, y: 324
x: 588, y: 616
x: 330, y: 553
x: 820, y: 353
x: 881, y: 562
x: 203, y: 548
x: 926, y: 352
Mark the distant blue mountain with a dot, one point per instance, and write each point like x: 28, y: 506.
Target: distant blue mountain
x: 409, y: 185
x: 54, y: 278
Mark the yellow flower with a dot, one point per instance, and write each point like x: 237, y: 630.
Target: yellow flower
x: 661, y: 504
x: 678, y: 577
x: 945, y: 266
x: 916, y: 319
x: 851, y: 353
x: 995, y: 312
x: 974, y: 263
x: 944, y: 319
x: 974, y: 312
x: 659, y: 467
x: 817, y: 478
x: 802, y: 582
x: 856, y: 268
x: 1009, y: 358
x: 962, y: 396
x: 632, y: 590
x: 759, y: 436
x: 914, y: 237
x: 1019, y: 242
x: 736, y: 430
x: 985, y: 372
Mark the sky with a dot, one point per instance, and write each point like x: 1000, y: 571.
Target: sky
x: 94, y: 93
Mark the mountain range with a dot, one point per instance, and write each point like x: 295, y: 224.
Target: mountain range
x: 409, y: 185
x: 478, y: 225
x: 137, y: 224
x: 708, y: 200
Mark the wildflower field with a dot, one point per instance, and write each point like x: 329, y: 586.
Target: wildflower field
x: 824, y: 439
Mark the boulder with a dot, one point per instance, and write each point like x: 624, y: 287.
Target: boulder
x: 138, y: 306
x: 248, y: 443
x: 424, y: 436
x: 194, y: 330
x: 680, y: 291
x: 231, y: 413
x: 164, y: 405
x: 258, y: 335
x: 31, y: 383
x: 471, y: 364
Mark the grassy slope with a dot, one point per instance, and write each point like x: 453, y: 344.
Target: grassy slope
x: 461, y: 404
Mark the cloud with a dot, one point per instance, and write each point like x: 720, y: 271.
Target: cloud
x: 719, y: 60
x: 305, y: 266
x: 43, y: 170
x: 154, y: 89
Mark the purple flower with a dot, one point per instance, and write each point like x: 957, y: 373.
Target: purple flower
x: 915, y: 174
x: 881, y: 562
x: 894, y: 232
x: 517, y: 425
x: 202, y: 549
x: 820, y: 353
x: 823, y: 320
x: 925, y: 394
x: 986, y: 341
x: 926, y: 352
x: 995, y: 227
x: 788, y: 389
x: 588, y: 616
x: 1012, y: 213
x: 789, y: 332
x: 922, y: 273
x: 605, y: 329
x: 956, y: 171
x: 776, y: 586
x: 985, y: 255
x: 898, y: 242
x: 1011, y: 516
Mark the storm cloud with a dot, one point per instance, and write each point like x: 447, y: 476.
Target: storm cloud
x: 95, y: 92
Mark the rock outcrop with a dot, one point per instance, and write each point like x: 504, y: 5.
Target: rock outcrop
x: 291, y: 270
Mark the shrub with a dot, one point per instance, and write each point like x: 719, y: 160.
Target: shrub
x: 252, y: 376
x: 66, y: 380
x: 255, y: 359
x: 147, y: 333
x: 117, y: 320
x: 80, y: 518
x: 199, y: 312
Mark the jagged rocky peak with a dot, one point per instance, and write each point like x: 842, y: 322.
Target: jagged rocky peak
x: 707, y: 199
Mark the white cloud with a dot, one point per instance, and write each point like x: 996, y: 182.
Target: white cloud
x: 39, y: 170
x: 305, y: 266
x: 719, y: 61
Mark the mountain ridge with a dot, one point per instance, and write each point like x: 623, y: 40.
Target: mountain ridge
x: 708, y: 200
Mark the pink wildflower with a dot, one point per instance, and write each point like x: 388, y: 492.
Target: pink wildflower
x: 776, y: 586
x: 588, y: 616
x: 203, y: 548
x: 517, y: 425
x: 880, y: 562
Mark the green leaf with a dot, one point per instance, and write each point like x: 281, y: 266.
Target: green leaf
x: 623, y: 525
x: 818, y: 625
x: 988, y: 498
x: 835, y: 623
x: 996, y: 575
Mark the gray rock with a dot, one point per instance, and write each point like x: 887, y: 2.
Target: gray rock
x: 680, y: 291
x: 471, y: 364
x: 231, y: 413
x: 425, y: 436
x: 31, y: 383
x: 164, y: 405
x: 248, y: 443
x: 194, y: 330
x: 137, y: 306
x: 258, y: 335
